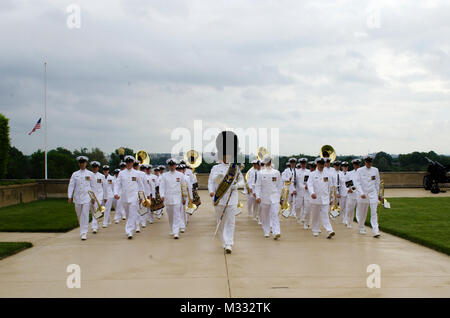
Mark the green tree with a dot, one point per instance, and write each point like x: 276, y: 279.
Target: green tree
x: 383, y: 161
x: 5, y: 144
x: 18, y: 165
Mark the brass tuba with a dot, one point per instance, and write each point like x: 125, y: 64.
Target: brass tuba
x: 194, y: 159
x: 143, y: 157
x: 328, y: 151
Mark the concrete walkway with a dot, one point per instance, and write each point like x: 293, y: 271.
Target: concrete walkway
x: 155, y: 265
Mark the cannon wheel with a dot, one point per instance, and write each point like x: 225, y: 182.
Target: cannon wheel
x: 435, y: 188
x: 427, y: 182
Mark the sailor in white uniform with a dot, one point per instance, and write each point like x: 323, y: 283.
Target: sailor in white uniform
x: 81, y: 182
x: 343, y: 192
x: 368, y: 186
x: 251, y: 198
x: 307, y: 196
x: 268, y: 192
x: 100, y: 190
x: 127, y: 187
x: 319, y: 185
x: 298, y: 189
x: 290, y: 175
x: 170, y: 191
x: 120, y: 211
x: 352, y: 196
x: 109, y: 195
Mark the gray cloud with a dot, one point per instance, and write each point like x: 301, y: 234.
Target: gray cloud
x: 138, y: 69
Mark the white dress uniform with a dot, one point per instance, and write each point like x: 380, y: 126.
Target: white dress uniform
x: 307, y: 201
x: 251, y: 199
x: 109, y: 195
x: 343, y: 193
x: 290, y: 174
x: 170, y: 190
x: 151, y: 185
x: 185, y: 216
x: 141, y: 219
x: 352, y: 198
x: 228, y: 222
x: 319, y: 183
x: 368, y: 183
x: 299, y: 187
x: 127, y: 186
x: 81, y: 182
x: 268, y: 189
x: 120, y: 211
x: 100, y: 190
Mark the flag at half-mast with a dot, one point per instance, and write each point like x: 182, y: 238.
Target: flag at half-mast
x: 36, y: 127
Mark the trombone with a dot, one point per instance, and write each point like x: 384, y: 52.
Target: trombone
x: 145, y: 203
x: 100, y: 210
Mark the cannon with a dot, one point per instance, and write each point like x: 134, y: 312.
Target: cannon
x: 437, y: 173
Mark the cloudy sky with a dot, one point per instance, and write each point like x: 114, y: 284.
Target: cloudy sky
x: 363, y: 76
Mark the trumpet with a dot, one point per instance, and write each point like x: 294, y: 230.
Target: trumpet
x: 335, y: 210
x: 100, y: 210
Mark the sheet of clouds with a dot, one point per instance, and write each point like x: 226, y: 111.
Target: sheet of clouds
x: 363, y: 76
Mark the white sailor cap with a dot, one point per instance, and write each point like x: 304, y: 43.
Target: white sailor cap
x: 368, y: 158
x: 105, y: 167
x: 156, y: 169
x: 298, y: 165
x: 162, y: 168
x: 312, y: 163
x: 129, y: 159
x: 116, y: 171
x: 255, y: 162
x: 171, y: 161
x: 95, y: 164
x: 319, y: 160
x: 303, y: 160
x: 267, y: 159
x: 292, y: 159
x: 327, y: 159
x: 337, y: 163
x: 122, y: 164
x: 148, y: 166
x: 182, y: 162
x: 344, y: 164
x: 82, y: 159
x: 357, y: 161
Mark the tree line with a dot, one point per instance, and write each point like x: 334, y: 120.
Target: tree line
x: 62, y: 163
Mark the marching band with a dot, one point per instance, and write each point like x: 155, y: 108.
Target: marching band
x: 317, y: 192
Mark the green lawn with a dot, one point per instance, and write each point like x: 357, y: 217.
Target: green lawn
x: 53, y: 215
x: 421, y: 220
x: 11, y: 248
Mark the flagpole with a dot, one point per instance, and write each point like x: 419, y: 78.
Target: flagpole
x: 45, y: 117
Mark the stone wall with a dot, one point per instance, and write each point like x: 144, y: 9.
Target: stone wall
x: 57, y: 188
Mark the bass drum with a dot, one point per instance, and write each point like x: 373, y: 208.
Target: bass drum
x: 157, y: 203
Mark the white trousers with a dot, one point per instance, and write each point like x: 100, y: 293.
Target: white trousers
x: 107, y: 216
x: 300, y: 207
x: 362, y: 209
x: 226, y: 228
x: 257, y: 210
x: 320, y: 213
x: 251, y: 201
x: 306, y: 216
x: 82, y: 211
x: 94, y: 223
x: 342, y: 204
x: 149, y: 215
x: 350, y: 207
x: 131, y: 212
x: 291, y: 200
x: 174, y: 215
x: 269, y: 218
x: 184, y: 217
x: 120, y: 212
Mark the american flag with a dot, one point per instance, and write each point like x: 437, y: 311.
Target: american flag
x: 36, y: 127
